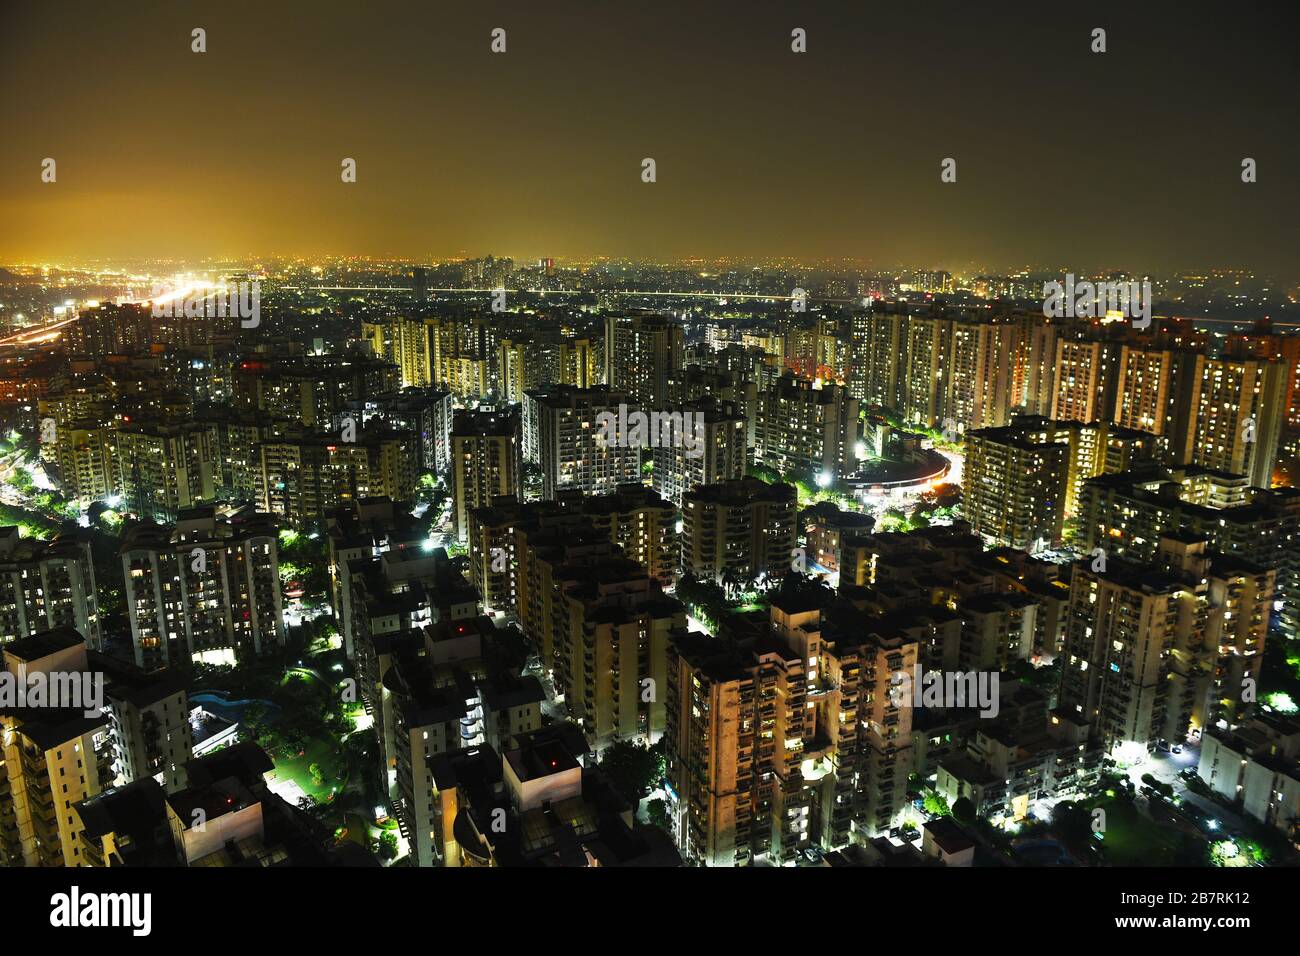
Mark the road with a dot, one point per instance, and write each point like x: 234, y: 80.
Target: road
x: 1166, y: 768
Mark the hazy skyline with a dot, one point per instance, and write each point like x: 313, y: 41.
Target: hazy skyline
x: 1124, y: 160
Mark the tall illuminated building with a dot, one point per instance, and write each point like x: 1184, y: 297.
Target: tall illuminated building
x: 1237, y: 412
x: 358, y: 531
x: 735, y: 739
x: 206, y: 588
x: 739, y: 530
x: 51, y: 757
x: 642, y: 524
x: 804, y: 428
x: 46, y: 585
x: 164, y: 467
x: 612, y: 627
x: 85, y: 460
x: 1084, y: 380
x: 1262, y: 342
x: 979, y: 373
x: 582, y: 361
x: 306, y: 475
x: 717, y: 451
x: 485, y: 460
x: 1154, y: 650
x: 694, y: 382
x: 641, y: 352
x: 879, y: 347
x: 404, y: 342
x: 568, y: 443
x: 1154, y: 391
x: 1016, y: 483
x: 925, y: 383
x: 1127, y: 515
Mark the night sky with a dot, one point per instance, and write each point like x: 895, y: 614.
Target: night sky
x: 1129, y: 159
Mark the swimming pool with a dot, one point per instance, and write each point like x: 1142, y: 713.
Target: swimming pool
x: 1042, y: 853
x: 219, y: 703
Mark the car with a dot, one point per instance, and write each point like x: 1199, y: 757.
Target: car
x: 1178, y: 748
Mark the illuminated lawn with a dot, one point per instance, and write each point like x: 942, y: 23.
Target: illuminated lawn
x: 1134, y: 840
x: 333, y: 769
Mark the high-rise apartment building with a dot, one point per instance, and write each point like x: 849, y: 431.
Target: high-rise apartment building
x: 611, y: 637
x: 641, y: 352
x: 925, y: 382
x: 150, y: 723
x: 979, y: 374
x: 52, y: 757
x: 359, y: 531
x: 1016, y: 483
x: 404, y: 342
x: 695, y: 382
x: 305, y: 476
x: 1127, y: 514
x: 739, y: 530
x: 1153, y: 651
x: 485, y: 461
x: 787, y: 735
x: 802, y: 428
x: 395, y: 595
x: 434, y: 706
x: 641, y: 523
x: 162, y: 468
x: 879, y: 345
x: 568, y: 439
x: 1238, y: 406
x: 424, y: 413
x: 1013, y: 473
x: 714, y: 450
x: 205, y: 588
x: 1153, y: 391
x: 47, y: 585
x: 1084, y: 379
x: 312, y: 390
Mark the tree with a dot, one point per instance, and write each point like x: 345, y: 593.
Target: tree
x: 387, y: 845
x: 893, y: 519
x: 1072, y: 822
x: 935, y: 804
x: 631, y: 769
x: 660, y: 752
x: 946, y: 496
x: 963, y: 811
x: 531, y: 478
x: 657, y: 810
